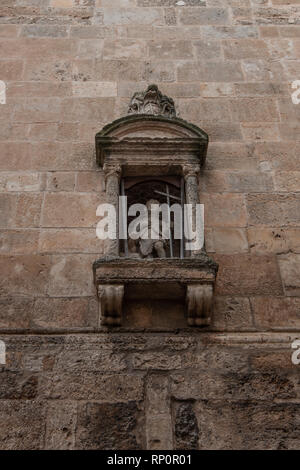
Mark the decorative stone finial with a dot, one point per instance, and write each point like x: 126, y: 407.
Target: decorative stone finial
x: 152, y: 101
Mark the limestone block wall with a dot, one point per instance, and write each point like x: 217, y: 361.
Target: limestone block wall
x: 70, y: 67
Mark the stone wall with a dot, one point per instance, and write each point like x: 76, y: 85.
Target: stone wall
x: 149, y: 390
x: 70, y: 67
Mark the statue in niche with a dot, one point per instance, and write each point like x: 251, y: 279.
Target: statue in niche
x: 158, y: 192
x: 145, y: 167
x: 145, y: 247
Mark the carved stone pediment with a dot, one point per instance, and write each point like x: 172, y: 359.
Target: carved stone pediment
x: 152, y: 101
x: 137, y: 141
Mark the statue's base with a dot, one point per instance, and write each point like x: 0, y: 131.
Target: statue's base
x: 191, y: 279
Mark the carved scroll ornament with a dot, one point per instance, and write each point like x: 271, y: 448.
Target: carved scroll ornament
x: 111, y: 300
x: 152, y: 101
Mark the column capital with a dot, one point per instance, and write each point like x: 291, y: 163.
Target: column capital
x: 112, y: 169
x: 190, y: 170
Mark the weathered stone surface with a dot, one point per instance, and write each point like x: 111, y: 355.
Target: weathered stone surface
x: 71, y: 276
x: 158, y: 432
x: 64, y: 313
x: 217, y: 359
x: 24, y: 274
x: 276, y: 313
x: 270, y: 240
x: 245, y: 49
x: 287, y: 181
x: 18, y: 181
x: 271, y: 361
x: 92, y: 386
x: 94, y: 89
x: 200, y: 413
x: 60, y: 181
x: 254, y: 109
x: 157, y: 394
x: 32, y: 31
x: 88, y: 181
x: 196, y: 109
x: 231, y: 32
x: 69, y: 210
x: 20, y: 210
x: 19, y: 241
x: 11, y: 69
x: 156, y: 361
x: 224, y: 210
x: 8, y: 30
x: 274, y: 210
x: 190, y: 16
x: 61, y: 426
x: 108, y: 426
x: 245, y: 425
x: 186, y: 426
x: 50, y: 69
x: 232, y: 313
x: 231, y: 156
x: 243, y: 386
x: 22, y: 424
x: 245, y: 275
x: 262, y: 70
x: 171, y: 50
x: 15, y: 385
x: 88, y: 109
x: 188, y: 386
x: 92, y: 360
x: 128, y: 16
x: 167, y: 3
x: 224, y: 132
x: 193, y: 71
x: 260, y: 131
x: 229, y: 240
x: 279, y: 156
x: 15, y: 312
x: 290, y: 272
x: 70, y: 241
x: 26, y: 47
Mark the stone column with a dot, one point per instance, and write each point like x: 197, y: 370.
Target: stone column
x: 190, y: 173
x: 112, y: 185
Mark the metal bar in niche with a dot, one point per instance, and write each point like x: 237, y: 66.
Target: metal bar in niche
x: 182, y: 218
x: 169, y: 215
x: 170, y: 195
x: 124, y: 219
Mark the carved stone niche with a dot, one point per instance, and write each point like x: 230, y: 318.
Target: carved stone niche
x: 151, y: 155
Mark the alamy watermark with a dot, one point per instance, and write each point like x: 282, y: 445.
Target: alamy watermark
x: 2, y: 353
x: 152, y: 221
x: 296, y: 94
x: 2, y: 92
x: 296, y: 353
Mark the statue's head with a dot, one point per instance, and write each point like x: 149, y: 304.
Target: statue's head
x: 152, y: 202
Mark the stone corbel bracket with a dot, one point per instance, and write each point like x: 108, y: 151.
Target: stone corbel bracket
x: 189, y: 279
x: 199, y: 299
x: 111, y: 302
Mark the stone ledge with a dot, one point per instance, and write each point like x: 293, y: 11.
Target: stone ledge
x: 191, y: 279
x: 115, y: 269
x: 100, y: 336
